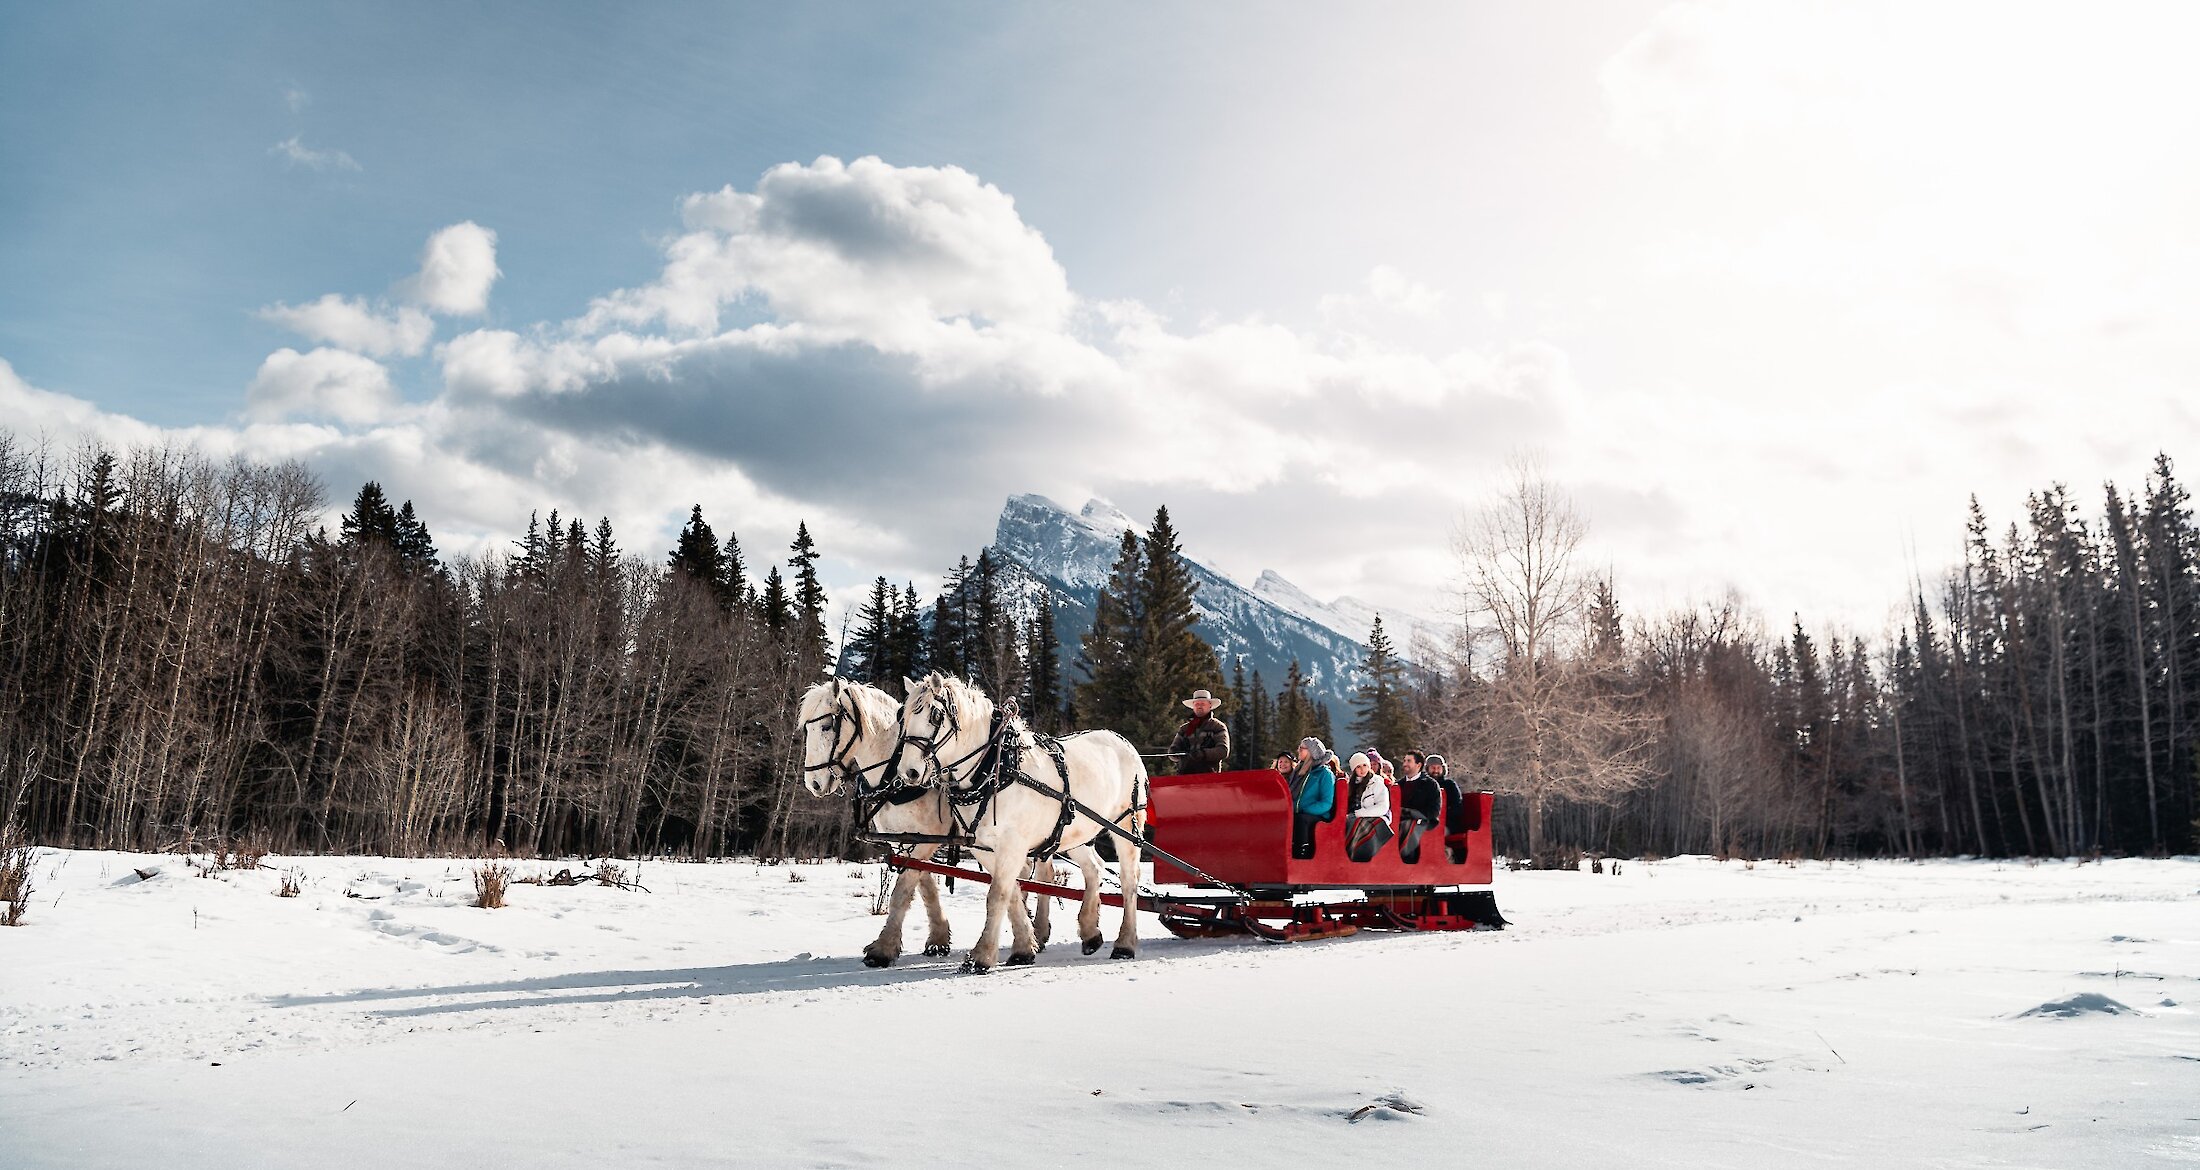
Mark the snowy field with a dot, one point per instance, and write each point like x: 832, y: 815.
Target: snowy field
x: 1683, y: 1013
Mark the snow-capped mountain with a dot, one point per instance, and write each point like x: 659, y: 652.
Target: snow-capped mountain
x: 1353, y: 617
x: 1045, y: 547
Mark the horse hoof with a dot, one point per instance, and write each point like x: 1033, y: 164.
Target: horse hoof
x: 1020, y: 959
x: 1092, y: 944
x: 936, y: 949
x: 1042, y: 948
x: 874, y: 959
x: 974, y: 967
x: 1122, y: 953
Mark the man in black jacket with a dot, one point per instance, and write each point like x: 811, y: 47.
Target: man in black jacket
x: 1421, y: 799
x: 1202, y: 744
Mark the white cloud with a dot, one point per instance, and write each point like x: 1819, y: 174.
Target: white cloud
x: 892, y: 254
x: 322, y: 383
x: 889, y: 351
x: 352, y: 324
x: 1386, y: 291
x: 457, y: 268
x: 294, y: 152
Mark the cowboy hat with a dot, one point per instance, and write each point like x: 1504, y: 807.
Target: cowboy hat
x: 1201, y: 697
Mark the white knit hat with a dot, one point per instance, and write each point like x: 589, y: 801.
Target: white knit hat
x: 1358, y: 758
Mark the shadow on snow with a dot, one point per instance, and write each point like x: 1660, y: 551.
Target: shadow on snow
x: 800, y: 974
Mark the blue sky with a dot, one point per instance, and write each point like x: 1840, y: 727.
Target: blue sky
x: 1772, y: 288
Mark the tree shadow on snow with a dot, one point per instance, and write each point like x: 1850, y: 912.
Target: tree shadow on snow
x: 800, y: 974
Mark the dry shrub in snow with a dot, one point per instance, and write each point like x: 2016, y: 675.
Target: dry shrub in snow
x: 490, y: 879
x: 15, y: 878
x: 289, y: 887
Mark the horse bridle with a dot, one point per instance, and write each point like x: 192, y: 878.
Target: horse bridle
x: 849, y: 717
x: 946, y: 726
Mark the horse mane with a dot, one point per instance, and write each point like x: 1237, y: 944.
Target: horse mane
x: 879, y: 709
x: 969, y: 698
x: 966, y: 699
x: 814, y: 700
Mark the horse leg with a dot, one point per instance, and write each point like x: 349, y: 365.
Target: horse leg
x: 1003, y: 899
x: 1023, y: 947
x: 1042, y: 922
x: 1088, y: 910
x: 936, y: 938
x: 1126, y: 853
x: 887, y: 946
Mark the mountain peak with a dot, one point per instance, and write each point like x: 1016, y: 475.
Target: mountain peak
x: 1105, y: 516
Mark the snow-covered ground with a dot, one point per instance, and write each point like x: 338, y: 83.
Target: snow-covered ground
x: 1683, y: 1013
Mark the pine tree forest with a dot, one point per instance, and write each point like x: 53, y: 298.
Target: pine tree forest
x: 188, y: 654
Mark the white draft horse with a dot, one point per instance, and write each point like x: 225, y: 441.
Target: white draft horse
x: 851, y: 733
x: 949, y: 738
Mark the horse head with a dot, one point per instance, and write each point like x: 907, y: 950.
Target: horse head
x: 832, y: 726
x: 941, y: 726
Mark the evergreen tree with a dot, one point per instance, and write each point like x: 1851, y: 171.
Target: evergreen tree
x: 1385, y: 719
x: 696, y: 556
x: 1112, y: 650
x: 1604, y: 623
x: 1294, y: 713
x: 872, y: 661
x: 809, y: 596
x: 1176, y: 660
x: 1244, y: 737
x: 415, y: 548
x: 993, y: 637
x: 907, y: 650
x: 735, y: 593
x: 576, y: 540
x: 528, y: 566
x: 943, y: 648
x: 773, y: 605
x: 949, y: 647
x: 1322, y: 726
x: 603, y: 554
x: 371, y: 520
x: 1043, y: 668
x: 1261, y: 717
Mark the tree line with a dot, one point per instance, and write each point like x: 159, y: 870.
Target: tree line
x: 2041, y: 697
x: 187, y: 656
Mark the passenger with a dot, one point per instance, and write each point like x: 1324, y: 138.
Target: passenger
x: 1370, y: 828
x: 1421, y: 802
x: 1455, y: 810
x: 1313, y: 795
x: 1284, y: 763
x: 1202, y: 744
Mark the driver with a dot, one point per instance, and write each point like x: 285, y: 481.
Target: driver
x: 1203, y: 743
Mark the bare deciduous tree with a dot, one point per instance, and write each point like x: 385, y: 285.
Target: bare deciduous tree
x: 1552, y: 716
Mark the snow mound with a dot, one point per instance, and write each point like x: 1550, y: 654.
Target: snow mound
x: 1394, y: 1106
x: 2082, y: 1004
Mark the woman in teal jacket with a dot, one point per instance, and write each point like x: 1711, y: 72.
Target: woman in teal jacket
x: 1313, y: 795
